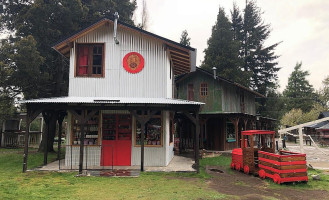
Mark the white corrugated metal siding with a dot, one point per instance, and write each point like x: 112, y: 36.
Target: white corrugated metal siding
x: 152, y: 81
x: 92, y: 155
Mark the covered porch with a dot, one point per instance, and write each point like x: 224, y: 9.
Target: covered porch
x: 222, y: 131
x: 84, y: 108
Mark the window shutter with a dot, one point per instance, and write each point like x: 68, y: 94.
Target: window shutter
x: 83, y: 60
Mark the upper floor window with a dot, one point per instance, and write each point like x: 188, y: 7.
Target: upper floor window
x: 90, y: 60
x: 203, y: 89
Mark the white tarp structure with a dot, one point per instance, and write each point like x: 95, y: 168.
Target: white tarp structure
x: 300, y: 131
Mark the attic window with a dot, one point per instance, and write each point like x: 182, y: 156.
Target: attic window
x: 203, y: 89
x: 90, y: 60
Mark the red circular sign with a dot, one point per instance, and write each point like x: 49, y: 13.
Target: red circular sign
x: 133, y: 62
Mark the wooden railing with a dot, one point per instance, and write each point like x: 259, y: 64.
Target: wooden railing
x: 16, y: 139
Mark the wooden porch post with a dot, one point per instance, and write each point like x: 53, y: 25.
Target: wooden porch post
x: 82, y: 139
x: 45, y: 153
x: 26, y: 143
x: 142, y: 145
x: 60, y: 123
x: 196, y: 122
x: 245, y: 121
x: 197, y: 133
x: 236, y: 128
x: 180, y: 128
x: 143, y: 119
x: 31, y: 114
x: 83, y: 118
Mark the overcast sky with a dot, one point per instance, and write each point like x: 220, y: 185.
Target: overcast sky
x: 301, y: 25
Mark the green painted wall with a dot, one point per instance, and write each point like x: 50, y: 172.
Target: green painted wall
x: 214, y: 98
x: 222, y: 96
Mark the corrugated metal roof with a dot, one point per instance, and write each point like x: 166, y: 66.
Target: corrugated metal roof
x: 317, y: 125
x: 111, y: 100
x: 324, y: 127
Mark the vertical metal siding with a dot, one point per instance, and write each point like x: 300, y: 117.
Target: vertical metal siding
x: 92, y: 155
x: 152, y: 81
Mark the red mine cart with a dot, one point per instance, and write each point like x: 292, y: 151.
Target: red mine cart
x: 257, y: 156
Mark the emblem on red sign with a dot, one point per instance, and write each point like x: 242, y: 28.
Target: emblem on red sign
x: 133, y: 62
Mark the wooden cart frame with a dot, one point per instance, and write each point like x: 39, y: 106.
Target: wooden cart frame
x: 261, y: 159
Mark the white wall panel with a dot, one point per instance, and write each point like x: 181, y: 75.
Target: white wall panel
x: 92, y: 155
x: 153, y: 156
x: 152, y: 81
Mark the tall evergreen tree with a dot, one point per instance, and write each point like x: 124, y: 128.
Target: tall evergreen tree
x: 273, y: 106
x: 185, y: 39
x: 323, y: 93
x: 237, y: 24
x: 299, y: 92
x: 46, y: 22
x: 223, y: 51
x: 258, y: 59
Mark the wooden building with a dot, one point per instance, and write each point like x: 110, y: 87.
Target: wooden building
x: 121, y: 104
x: 229, y: 108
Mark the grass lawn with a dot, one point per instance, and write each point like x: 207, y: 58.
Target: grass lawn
x: 53, y: 185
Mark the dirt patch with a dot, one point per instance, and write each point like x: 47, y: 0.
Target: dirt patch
x: 249, y: 187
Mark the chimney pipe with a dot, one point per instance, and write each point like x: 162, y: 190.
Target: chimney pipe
x: 116, y: 17
x: 214, y: 69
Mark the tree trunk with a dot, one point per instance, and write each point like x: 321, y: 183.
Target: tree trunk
x: 51, y: 126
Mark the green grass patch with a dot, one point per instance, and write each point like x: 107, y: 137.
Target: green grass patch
x: 322, y: 184
x: 224, y: 161
x: 54, y: 185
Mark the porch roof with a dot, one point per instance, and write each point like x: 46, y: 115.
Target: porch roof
x: 110, y: 100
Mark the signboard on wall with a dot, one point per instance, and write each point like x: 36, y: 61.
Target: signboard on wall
x: 133, y: 62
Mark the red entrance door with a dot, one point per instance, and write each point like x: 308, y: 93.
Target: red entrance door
x: 116, y: 141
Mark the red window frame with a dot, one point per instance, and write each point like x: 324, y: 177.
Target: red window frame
x: 86, y: 54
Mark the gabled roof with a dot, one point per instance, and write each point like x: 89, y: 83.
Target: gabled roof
x: 198, y: 69
x: 182, y: 57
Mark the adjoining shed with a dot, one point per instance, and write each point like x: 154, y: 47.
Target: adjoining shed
x: 229, y: 109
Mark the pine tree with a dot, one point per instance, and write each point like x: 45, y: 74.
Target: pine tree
x: 299, y: 91
x: 258, y: 59
x: 323, y: 93
x: 185, y: 39
x: 237, y: 24
x: 223, y: 51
